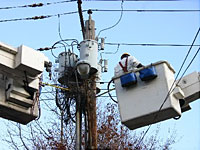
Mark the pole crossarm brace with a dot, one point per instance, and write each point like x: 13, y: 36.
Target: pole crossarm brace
x: 55, y: 86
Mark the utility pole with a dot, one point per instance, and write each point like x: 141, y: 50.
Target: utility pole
x: 88, y: 31
x: 78, y: 100
x: 91, y: 92
x: 78, y: 122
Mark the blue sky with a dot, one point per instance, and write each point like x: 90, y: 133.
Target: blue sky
x: 134, y: 27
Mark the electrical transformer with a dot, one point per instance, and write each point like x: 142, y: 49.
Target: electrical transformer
x: 67, y: 62
x: 89, y: 53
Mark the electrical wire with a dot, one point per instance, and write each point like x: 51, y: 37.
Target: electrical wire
x: 39, y: 17
x: 62, y: 42
x: 146, y: 10
x: 48, y: 48
x: 188, y: 65
x: 59, y: 28
x: 113, y: 52
x: 115, y: 23
x: 188, y: 53
x: 172, y: 89
x: 168, y: 96
x: 73, y: 40
x: 36, y: 5
x: 132, y: 0
x: 56, y: 86
x: 151, y: 44
x: 100, y: 95
x: 128, y: 44
x: 74, y: 12
x: 108, y: 87
x: 59, y: 42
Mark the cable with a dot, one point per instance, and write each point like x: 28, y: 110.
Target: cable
x: 100, y: 95
x: 171, y: 89
x: 113, y: 52
x: 188, y: 53
x: 116, y: 22
x: 145, y: 10
x: 189, y: 65
x: 69, y: 13
x: 59, y: 42
x: 169, y: 94
x: 127, y: 44
x: 132, y: 0
x: 59, y: 32
x: 56, y: 86
x: 55, y: 45
x: 39, y: 17
x: 36, y: 5
x: 49, y: 48
x: 151, y: 44
x: 108, y: 87
x: 180, y: 68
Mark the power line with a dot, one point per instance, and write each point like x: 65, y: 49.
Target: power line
x: 74, y: 12
x: 36, y: 5
x: 146, y: 10
x: 129, y: 44
x: 39, y: 17
x: 134, y: 0
x: 151, y: 44
x: 120, y: 18
x: 172, y: 89
x: 189, y: 64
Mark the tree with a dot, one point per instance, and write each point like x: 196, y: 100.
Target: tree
x: 56, y: 128
x: 54, y: 135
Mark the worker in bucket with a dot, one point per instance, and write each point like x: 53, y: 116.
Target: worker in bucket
x: 126, y: 64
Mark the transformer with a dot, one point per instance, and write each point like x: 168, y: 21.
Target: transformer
x: 67, y: 62
x: 89, y: 53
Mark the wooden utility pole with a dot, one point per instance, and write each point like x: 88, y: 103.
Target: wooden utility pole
x: 88, y: 31
x: 91, y: 92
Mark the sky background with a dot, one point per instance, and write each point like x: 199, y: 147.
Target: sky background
x: 134, y: 28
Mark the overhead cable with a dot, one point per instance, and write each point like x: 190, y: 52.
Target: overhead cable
x: 172, y: 89
x: 134, y: 0
x: 147, y: 10
x: 68, y: 13
x: 127, y: 44
x: 189, y: 65
x: 150, y: 44
x: 36, y: 5
x: 39, y: 17
x: 108, y: 87
x: 100, y: 95
x: 188, y: 53
x: 120, y: 18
